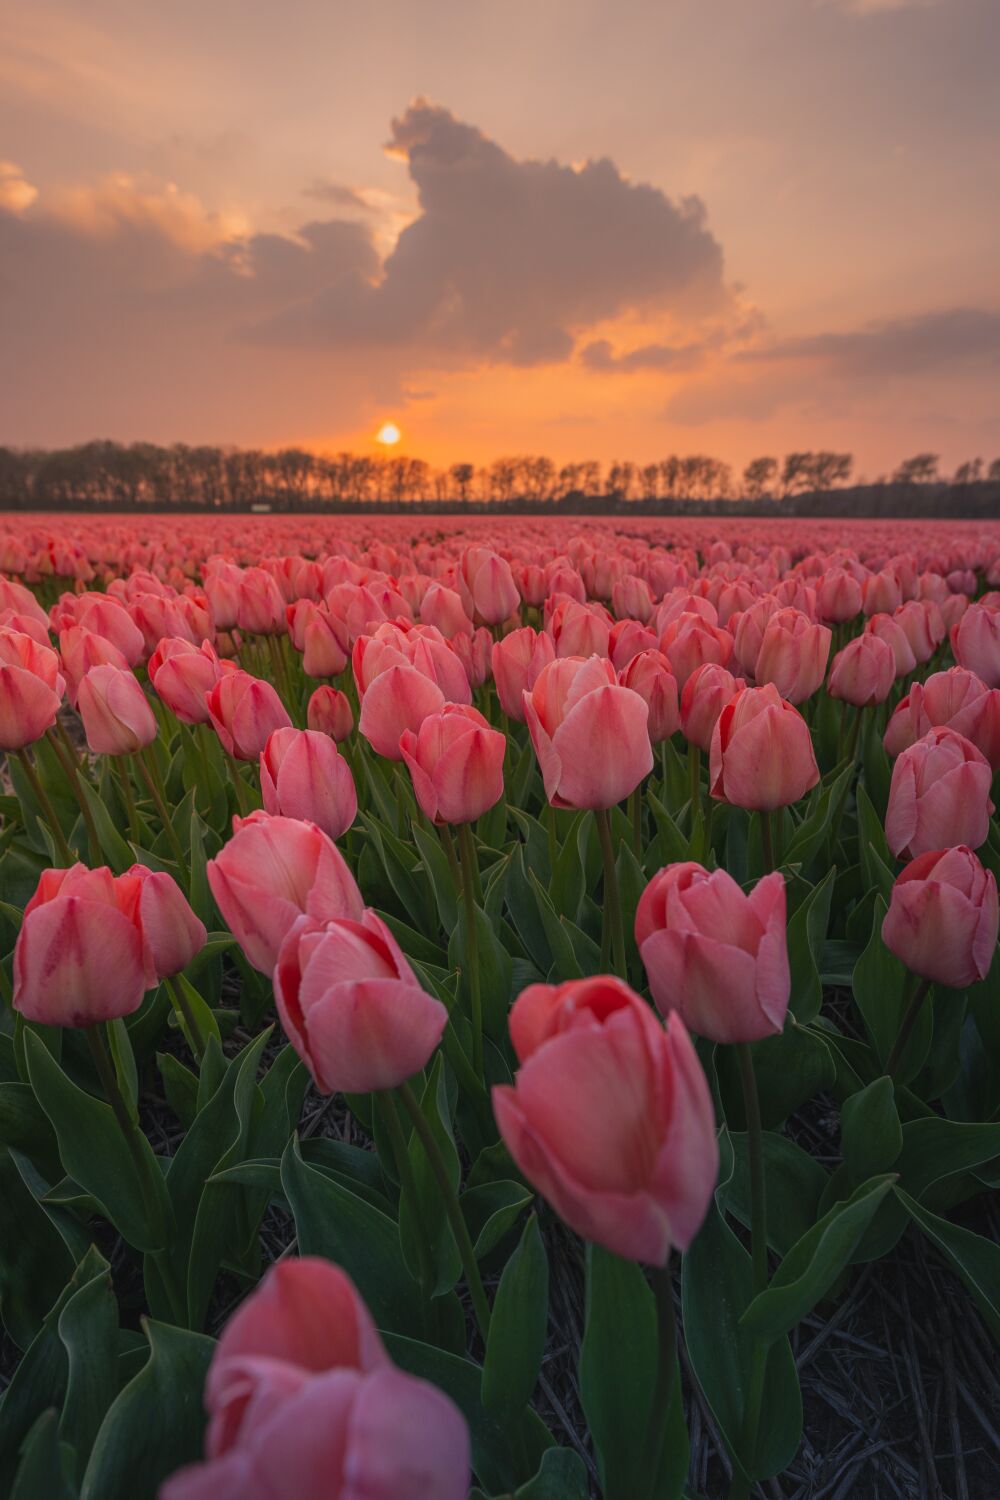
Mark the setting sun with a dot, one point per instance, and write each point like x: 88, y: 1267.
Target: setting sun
x: 388, y: 434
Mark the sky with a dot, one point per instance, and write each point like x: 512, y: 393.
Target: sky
x: 733, y: 227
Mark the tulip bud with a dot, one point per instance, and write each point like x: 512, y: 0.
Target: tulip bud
x: 302, y: 776
x: 762, y: 754
x: 940, y: 792
x: 517, y: 660
x: 943, y: 917
x: 115, y: 711
x: 456, y: 763
x: 863, y: 672
x: 705, y: 695
x: 245, y: 711
x: 591, y: 736
x: 649, y: 675
x: 329, y: 712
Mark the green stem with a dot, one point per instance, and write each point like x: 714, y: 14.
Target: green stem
x: 183, y: 1008
x: 767, y: 842
x: 386, y: 1105
x: 455, y: 1217
x: 242, y: 793
x: 550, y: 827
x: 125, y: 782
x: 852, y: 744
x: 146, y: 762
x: 71, y: 766
x: 468, y: 848
x: 449, y: 849
x: 758, y: 1250
x: 663, y: 1392
x: 637, y: 822
x: 612, y: 901
x: 48, y: 812
x: 694, y: 775
x: 909, y: 1021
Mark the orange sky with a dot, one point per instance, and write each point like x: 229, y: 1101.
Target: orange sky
x: 592, y: 231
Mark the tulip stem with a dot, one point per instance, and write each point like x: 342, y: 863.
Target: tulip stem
x: 663, y: 1392
x: 550, y: 828
x: 758, y: 1251
x: 241, y: 787
x: 151, y: 775
x: 472, y: 944
x: 909, y: 1021
x: 694, y: 772
x: 852, y: 744
x: 767, y: 841
x: 67, y: 759
x: 386, y: 1105
x: 612, y: 901
x: 459, y: 1228
x: 637, y: 822
x: 449, y: 849
x: 125, y: 782
x: 187, y: 1017
x: 48, y: 812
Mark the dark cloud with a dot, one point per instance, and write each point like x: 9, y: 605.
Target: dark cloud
x: 337, y: 193
x: 600, y: 356
x: 903, y: 346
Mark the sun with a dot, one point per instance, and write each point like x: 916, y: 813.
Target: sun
x: 388, y: 434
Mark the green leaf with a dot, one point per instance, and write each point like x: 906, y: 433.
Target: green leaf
x: 881, y: 987
x: 807, y: 840
x: 937, y: 1151
x: 562, y: 1476
x: 46, y: 1465
x: 35, y: 1261
x: 494, y: 971
x: 94, y: 1154
x: 491, y: 1211
x: 975, y: 1258
x: 435, y: 863
x: 518, y: 1326
x: 877, y: 863
x: 806, y: 936
x: 794, y: 1182
x: 813, y: 1264
x: 871, y: 1135
x: 114, y: 848
x: 88, y: 1328
x: 156, y: 1424
x: 430, y: 1207
x: 790, y: 1068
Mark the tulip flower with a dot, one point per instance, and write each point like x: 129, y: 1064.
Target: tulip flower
x: 761, y: 755
x: 943, y: 917
x: 590, y: 735
x: 172, y: 932
x: 273, y: 870
x: 975, y: 640
x: 260, y: 609
x: 689, y: 641
x: 863, y: 672
x: 635, y: 1174
x: 324, y: 645
x: 939, y: 793
x: 303, y: 776
x: 649, y: 675
x: 486, y: 585
x: 117, y: 717
x: 399, y: 699
x: 303, y: 1400
x: 715, y: 953
x: 329, y: 712
x: 517, y: 661
x: 183, y: 675
x: 793, y: 655
x: 245, y: 711
x: 956, y: 698
x: 705, y: 695
x: 456, y: 762
x: 31, y: 690
x: 889, y: 630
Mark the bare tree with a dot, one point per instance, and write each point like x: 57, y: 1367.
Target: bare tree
x: 758, y: 478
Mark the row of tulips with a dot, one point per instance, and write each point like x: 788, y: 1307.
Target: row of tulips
x: 553, y: 898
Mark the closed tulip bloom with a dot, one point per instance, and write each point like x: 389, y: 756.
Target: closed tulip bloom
x: 748, y: 632
x: 689, y: 641
x: 80, y: 955
x: 761, y: 756
x: 716, y: 954
x: 222, y: 590
x: 881, y: 593
x: 943, y: 917
x: 325, y: 643
x: 117, y: 717
x: 838, y: 596
x: 487, y: 588
x: 626, y: 639
x: 172, y: 932
x: 631, y: 599
x: 303, y: 1401
x: 474, y: 651
x: 793, y: 655
x: 890, y: 631
x: 244, y: 712
x: 579, y: 629
x: 443, y: 608
x: 31, y: 690
x: 940, y: 792
x: 183, y: 675
x: 456, y: 762
x: 517, y: 660
x: 922, y: 625
x: 957, y: 698
x: 705, y: 695
x: 863, y: 672
x: 590, y: 735
x: 260, y: 607
x: 649, y: 675
x: 273, y: 870
x: 975, y: 640
x: 329, y: 712
x: 105, y: 616
x: 302, y: 775
x: 398, y: 699
x: 635, y: 1174
x: 352, y: 1006
x: 79, y: 650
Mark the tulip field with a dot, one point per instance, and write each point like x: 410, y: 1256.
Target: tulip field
x: 492, y: 1008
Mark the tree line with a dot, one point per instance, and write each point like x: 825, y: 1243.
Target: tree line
x: 108, y: 475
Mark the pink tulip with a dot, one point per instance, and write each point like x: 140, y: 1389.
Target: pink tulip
x: 303, y: 1401
x: 79, y: 650
x: 260, y: 608
x: 635, y: 1174
x: 183, y: 675
x: 649, y: 675
x: 579, y: 629
x: 975, y: 640
x: 881, y: 593
x: 172, y: 932
x: 397, y: 700
x: 443, y: 608
x: 106, y: 617
x: 303, y: 776
x: 923, y: 626
x: 116, y: 714
x: 863, y: 672
x: 957, y: 698
x: 631, y: 599
x: 456, y: 763
x: 474, y: 650
x: 688, y: 642
x: 939, y: 793
x: 324, y: 646
x: 273, y: 870
x: 838, y: 597
x: 329, y: 712
x: 714, y: 953
x: 761, y: 755
x: 627, y: 640
x: 487, y: 588
x: 517, y: 660
x: 245, y: 711
x: 31, y: 689
x: 793, y: 655
x: 591, y: 736
x: 889, y: 630
x: 748, y: 632
x: 943, y: 917
x: 705, y: 695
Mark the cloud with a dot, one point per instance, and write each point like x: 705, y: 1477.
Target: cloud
x: 337, y: 193
x: 600, y: 356
x: 880, y: 7
x: 16, y: 192
x: 899, y: 347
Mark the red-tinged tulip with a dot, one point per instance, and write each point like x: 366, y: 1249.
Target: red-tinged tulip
x: 17, y: 597
x: 863, y: 672
x: 474, y: 649
x: 838, y: 596
x: 889, y: 630
x: 705, y: 695
x: 31, y: 690
x: 273, y: 870
x: 716, y: 954
x: 957, y: 698
x: 183, y: 675
x: 881, y: 593
x: 487, y: 588
x: 352, y: 1007
x: 761, y: 755
x: 975, y: 640
x: 626, y: 639
x: 324, y: 645
x: 79, y: 650
x: 631, y: 599
x: 590, y: 735
x: 689, y: 641
x: 12, y: 619
x: 943, y: 917
x: 117, y: 717
x: 170, y: 929
x: 302, y: 775
x: 649, y: 675
x: 923, y: 626
x: 80, y: 956
x: 244, y: 711
x: 456, y: 763
x: 443, y: 608
x: 260, y: 607
x: 303, y: 1401
x: 398, y: 699
x: 222, y: 590
x: 104, y: 616
x: 517, y: 660
x: 636, y: 1173
x: 579, y: 629
x: 793, y: 655
x: 953, y: 609
x: 329, y: 712
x: 748, y: 632
x: 939, y: 793
x: 418, y: 646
